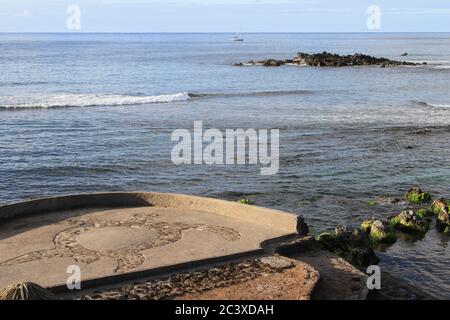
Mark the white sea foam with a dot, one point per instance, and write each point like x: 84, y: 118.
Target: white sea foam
x: 86, y: 100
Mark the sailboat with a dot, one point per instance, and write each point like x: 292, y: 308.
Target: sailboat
x: 237, y: 38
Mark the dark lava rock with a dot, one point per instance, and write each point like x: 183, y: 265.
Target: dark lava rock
x: 295, y: 246
x: 273, y: 63
x: 302, y: 227
x: 351, y: 244
x: 363, y: 257
x: 326, y: 59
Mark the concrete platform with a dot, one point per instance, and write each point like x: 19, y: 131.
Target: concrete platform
x: 116, y: 236
x: 272, y: 277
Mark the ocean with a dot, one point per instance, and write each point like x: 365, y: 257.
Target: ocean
x: 95, y: 112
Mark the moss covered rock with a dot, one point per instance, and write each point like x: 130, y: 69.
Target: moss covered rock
x: 378, y: 231
x: 408, y: 221
x: 425, y: 213
x: 438, y: 206
x: 367, y: 225
x: 328, y: 240
x: 351, y: 237
x: 443, y: 221
x: 417, y: 196
x: 351, y: 244
x: 382, y: 232
x: 244, y: 201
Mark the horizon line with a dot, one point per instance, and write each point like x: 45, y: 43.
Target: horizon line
x: 216, y: 32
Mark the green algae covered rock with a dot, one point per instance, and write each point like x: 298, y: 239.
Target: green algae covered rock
x: 439, y: 205
x: 367, y: 225
x: 417, y: 196
x: 244, y: 201
x: 443, y: 221
x: 328, y: 240
x: 424, y: 213
x: 378, y: 231
x: 440, y: 208
x: 408, y: 221
x: 351, y: 244
x: 382, y: 232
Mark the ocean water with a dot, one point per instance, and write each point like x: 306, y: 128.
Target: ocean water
x: 95, y: 112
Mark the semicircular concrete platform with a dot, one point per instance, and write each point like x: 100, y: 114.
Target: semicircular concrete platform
x: 117, y: 236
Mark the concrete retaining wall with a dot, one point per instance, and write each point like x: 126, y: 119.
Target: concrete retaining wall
x: 251, y: 214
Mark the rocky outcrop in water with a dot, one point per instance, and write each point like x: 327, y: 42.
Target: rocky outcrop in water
x: 440, y: 208
x: 351, y: 244
x: 378, y: 231
x: 417, y: 196
x: 326, y: 59
x: 408, y: 221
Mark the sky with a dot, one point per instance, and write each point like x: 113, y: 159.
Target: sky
x: 225, y: 16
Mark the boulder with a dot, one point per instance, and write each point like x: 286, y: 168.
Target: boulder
x: 382, y: 232
x: 351, y: 244
x: 378, y: 231
x: 425, y: 213
x: 327, y: 240
x: 417, y: 196
x: 408, y: 221
x: 26, y: 291
x: 438, y: 206
x: 363, y: 257
x: 367, y: 225
x: 245, y: 201
x: 443, y: 221
x: 302, y: 226
x: 351, y: 237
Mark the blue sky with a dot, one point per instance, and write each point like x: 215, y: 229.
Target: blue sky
x: 225, y: 15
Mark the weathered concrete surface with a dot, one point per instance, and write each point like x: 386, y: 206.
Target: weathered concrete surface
x: 295, y: 283
x: 270, y: 277
x: 40, y: 239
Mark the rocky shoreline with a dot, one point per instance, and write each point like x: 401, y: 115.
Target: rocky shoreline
x: 346, y: 251
x: 357, y: 245
x: 326, y: 59
x: 327, y: 265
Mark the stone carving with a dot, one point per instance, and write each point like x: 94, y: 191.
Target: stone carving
x: 161, y: 233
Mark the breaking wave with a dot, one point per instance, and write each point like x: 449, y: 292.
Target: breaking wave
x: 86, y: 100
x: 66, y: 100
